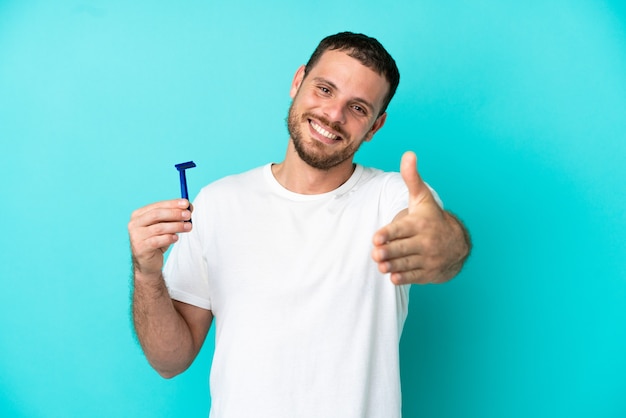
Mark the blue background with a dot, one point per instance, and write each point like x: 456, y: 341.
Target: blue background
x: 517, y: 111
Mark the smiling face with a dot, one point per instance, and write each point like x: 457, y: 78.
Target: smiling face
x: 335, y: 109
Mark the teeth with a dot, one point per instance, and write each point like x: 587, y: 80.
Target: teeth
x: 323, y: 131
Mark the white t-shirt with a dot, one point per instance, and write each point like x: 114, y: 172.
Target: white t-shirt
x: 306, y: 325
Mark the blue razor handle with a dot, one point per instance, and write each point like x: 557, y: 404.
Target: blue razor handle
x: 183, y: 179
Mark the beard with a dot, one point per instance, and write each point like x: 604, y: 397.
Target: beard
x: 317, y: 154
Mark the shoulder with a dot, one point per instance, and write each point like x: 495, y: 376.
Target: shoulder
x: 374, y: 177
x: 390, y: 183
x: 234, y: 183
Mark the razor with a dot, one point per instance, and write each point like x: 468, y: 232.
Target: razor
x: 183, y: 179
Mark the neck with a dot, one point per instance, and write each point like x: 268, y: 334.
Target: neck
x: 297, y: 176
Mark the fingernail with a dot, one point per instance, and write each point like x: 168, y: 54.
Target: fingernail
x: 397, y: 278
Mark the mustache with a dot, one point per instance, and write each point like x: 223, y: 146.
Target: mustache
x: 332, y: 125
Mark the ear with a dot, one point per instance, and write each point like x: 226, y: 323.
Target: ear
x: 297, y: 81
x: 378, y: 123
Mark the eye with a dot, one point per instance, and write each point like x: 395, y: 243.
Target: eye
x: 359, y: 109
x: 324, y: 89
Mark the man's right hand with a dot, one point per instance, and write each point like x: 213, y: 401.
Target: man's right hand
x: 152, y: 229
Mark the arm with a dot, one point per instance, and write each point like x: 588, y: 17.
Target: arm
x: 423, y: 244
x: 171, y: 333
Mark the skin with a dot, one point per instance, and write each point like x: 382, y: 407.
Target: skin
x: 344, y: 98
x: 423, y: 244
x: 171, y: 333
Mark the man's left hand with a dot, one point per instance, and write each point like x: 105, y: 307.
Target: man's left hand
x: 424, y: 243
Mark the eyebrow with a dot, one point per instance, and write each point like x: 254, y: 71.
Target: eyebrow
x: 357, y: 99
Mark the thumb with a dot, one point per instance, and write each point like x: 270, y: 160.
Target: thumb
x: 418, y: 190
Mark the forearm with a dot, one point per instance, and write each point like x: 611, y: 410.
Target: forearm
x: 162, y: 332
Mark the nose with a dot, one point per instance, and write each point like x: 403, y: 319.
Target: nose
x: 334, y: 110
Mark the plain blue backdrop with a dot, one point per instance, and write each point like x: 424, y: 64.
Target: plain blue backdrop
x: 517, y: 111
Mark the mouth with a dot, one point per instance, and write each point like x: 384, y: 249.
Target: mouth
x: 323, y: 132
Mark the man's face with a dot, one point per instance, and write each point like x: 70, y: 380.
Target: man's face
x: 334, y: 109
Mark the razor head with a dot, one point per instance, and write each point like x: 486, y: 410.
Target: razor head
x: 184, y: 166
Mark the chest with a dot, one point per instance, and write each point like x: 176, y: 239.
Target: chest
x: 291, y: 251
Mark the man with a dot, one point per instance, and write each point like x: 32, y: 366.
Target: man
x: 306, y: 264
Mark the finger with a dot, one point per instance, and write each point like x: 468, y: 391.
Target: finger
x: 156, y: 236
x: 159, y: 215
x: 153, y: 243
x: 418, y: 190
x: 157, y: 229
x: 410, y: 277
x: 414, y: 268
x: 148, y: 244
x: 166, y: 228
x: 396, y: 249
x: 402, y: 264
x: 165, y: 204
x: 400, y: 228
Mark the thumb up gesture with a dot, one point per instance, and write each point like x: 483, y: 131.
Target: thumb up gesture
x: 424, y: 243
